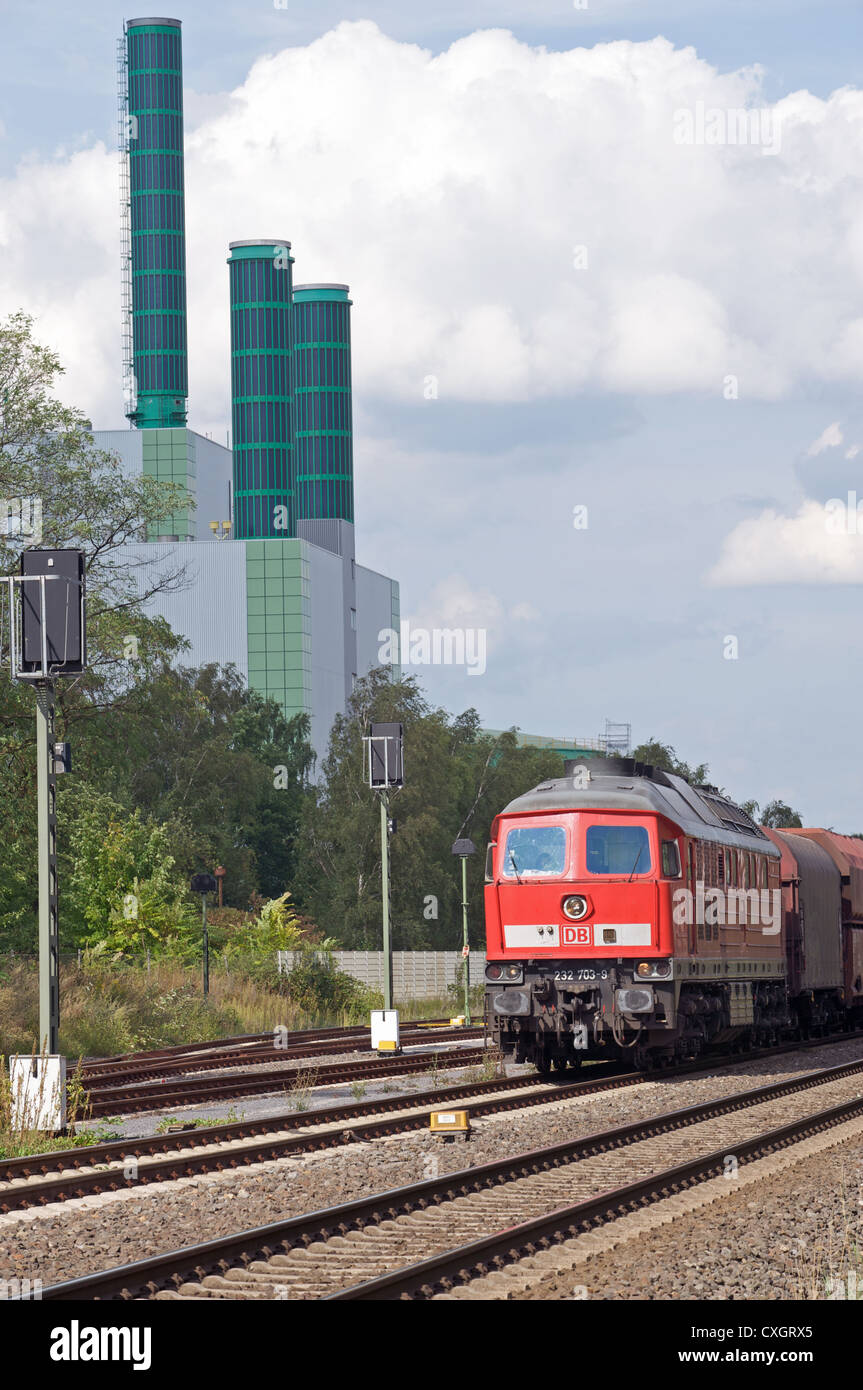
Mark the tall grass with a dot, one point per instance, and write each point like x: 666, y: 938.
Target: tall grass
x: 110, y: 1006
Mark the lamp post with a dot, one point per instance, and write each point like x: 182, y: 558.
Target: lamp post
x: 204, y: 884
x: 463, y: 849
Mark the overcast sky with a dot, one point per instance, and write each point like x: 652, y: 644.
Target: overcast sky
x: 667, y: 334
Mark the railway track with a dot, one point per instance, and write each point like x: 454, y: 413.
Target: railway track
x: 419, y: 1240
x: 192, y: 1150
x: 36, y: 1180
x: 125, y: 1071
x: 164, y: 1094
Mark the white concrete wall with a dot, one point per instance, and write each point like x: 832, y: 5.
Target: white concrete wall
x: 416, y: 974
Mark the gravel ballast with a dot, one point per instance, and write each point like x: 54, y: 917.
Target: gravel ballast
x: 798, y: 1235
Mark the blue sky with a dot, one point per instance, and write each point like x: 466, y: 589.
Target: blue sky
x: 695, y: 385
x: 58, y: 79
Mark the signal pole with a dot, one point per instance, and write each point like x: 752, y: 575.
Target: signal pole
x: 463, y: 849
x: 49, y: 928
x: 386, y: 769
x: 47, y: 640
x: 385, y: 898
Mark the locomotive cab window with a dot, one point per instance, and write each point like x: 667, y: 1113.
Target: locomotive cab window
x: 617, y: 849
x: 670, y: 859
x: 534, y: 851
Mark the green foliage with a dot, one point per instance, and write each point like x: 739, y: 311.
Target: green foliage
x: 320, y: 989
x: 455, y: 994
x: 191, y: 753
x: 778, y: 815
x: 122, y: 885
x: 276, y: 928
x: 663, y: 756
x: 456, y: 780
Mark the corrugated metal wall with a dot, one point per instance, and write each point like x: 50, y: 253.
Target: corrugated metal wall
x: 416, y: 974
x: 819, y: 896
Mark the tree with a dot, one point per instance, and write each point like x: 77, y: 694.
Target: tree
x: 60, y: 491
x: 663, y: 756
x: 778, y: 815
x: 122, y: 885
x: 456, y: 781
x: 213, y: 770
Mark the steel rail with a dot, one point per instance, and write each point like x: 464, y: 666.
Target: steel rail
x: 506, y: 1096
x: 144, y: 1278
x: 440, y: 1273
x: 149, y: 1097
x: 99, y: 1079
x: 62, y: 1160
x: 350, y: 1030
x: 164, y: 1095
x: 63, y: 1180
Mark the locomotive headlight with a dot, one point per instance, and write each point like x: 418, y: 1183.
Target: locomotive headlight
x: 493, y: 972
x: 654, y: 970
x: 575, y: 907
x: 514, y: 972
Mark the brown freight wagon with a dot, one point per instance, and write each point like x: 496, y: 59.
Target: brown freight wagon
x: 812, y: 928
x: 847, y: 854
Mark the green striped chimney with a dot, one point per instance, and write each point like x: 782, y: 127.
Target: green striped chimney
x: 261, y: 388
x: 157, y: 223
x: 323, y: 424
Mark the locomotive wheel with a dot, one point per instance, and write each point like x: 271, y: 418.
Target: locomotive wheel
x: 642, y: 1058
x: 559, y: 1064
x: 542, y: 1062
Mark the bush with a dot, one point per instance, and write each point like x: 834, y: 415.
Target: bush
x: 318, y: 987
x: 455, y: 994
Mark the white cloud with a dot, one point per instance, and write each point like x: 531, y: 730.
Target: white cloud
x: 801, y: 549
x: 454, y: 603
x: 830, y: 438
x: 451, y: 191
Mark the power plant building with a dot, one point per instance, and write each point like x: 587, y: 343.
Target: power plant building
x: 267, y: 544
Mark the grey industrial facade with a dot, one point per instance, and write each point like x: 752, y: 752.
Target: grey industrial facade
x: 298, y: 617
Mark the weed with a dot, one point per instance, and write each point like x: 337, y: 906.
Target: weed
x: 299, y: 1094
x: 492, y: 1065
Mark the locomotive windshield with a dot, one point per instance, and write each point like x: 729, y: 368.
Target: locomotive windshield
x: 617, y: 849
x: 534, y: 850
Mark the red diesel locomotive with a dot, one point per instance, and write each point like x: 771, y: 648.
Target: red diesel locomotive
x: 629, y: 913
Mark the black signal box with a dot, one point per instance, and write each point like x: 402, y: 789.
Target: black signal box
x: 386, y: 755
x: 52, y: 614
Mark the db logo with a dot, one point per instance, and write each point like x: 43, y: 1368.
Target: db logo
x: 576, y: 936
